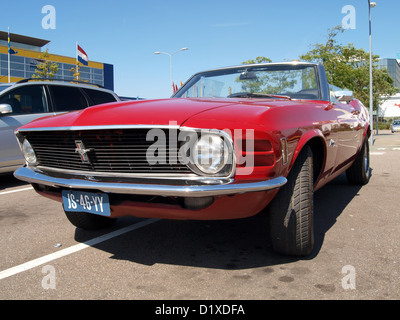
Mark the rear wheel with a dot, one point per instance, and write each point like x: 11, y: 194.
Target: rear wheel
x: 89, y: 221
x: 359, y: 172
x: 291, y: 212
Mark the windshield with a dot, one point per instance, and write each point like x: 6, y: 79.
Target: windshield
x: 396, y: 122
x: 284, y: 81
x: 2, y: 87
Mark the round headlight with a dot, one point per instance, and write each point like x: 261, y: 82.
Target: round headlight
x: 210, y: 153
x: 28, y: 152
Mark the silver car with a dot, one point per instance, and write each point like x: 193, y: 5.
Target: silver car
x: 395, y: 126
x: 26, y: 100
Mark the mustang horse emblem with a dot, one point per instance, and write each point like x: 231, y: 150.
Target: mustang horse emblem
x: 83, y: 152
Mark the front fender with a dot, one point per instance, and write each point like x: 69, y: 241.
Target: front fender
x: 305, y: 139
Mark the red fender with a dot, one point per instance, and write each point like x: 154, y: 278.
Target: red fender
x: 304, y: 139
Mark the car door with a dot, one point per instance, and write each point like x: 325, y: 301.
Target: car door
x: 330, y: 129
x: 28, y: 102
x: 350, y: 133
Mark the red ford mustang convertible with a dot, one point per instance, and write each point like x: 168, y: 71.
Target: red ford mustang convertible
x: 229, y: 143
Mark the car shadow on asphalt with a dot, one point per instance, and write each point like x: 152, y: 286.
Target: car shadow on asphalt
x: 7, y: 180
x: 329, y: 203
x: 229, y: 244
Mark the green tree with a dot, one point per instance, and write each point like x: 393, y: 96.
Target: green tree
x: 47, y: 69
x: 259, y: 59
x: 348, y: 67
x: 75, y: 72
x: 273, y: 82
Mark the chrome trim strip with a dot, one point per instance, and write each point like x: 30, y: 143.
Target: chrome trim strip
x: 145, y: 176
x: 285, y: 154
x: 28, y: 175
x: 102, y: 127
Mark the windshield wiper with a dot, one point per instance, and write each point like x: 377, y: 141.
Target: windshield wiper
x: 257, y: 95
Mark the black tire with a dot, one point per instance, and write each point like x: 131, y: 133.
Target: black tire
x: 292, y: 210
x: 88, y: 221
x: 359, y: 173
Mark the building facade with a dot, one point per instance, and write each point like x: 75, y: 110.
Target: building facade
x: 393, y: 68
x: 391, y: 107
x: 23, y: 64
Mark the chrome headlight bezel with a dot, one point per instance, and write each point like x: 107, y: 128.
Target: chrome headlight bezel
x: 212, y: 154
x: 28, y: 152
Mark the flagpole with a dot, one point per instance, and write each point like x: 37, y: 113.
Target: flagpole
x: 9, y: 77
x: 76, y: 60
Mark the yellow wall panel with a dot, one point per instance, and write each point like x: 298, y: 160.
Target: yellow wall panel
x: 53, y: 57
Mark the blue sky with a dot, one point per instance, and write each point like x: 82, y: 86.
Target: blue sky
x: 217, y: 32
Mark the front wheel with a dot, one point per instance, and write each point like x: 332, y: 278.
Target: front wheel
x: 291, y: 212
x: 89, y: 221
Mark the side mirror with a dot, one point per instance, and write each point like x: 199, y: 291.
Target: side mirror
x: 5, y: 108
x: 344, y: 95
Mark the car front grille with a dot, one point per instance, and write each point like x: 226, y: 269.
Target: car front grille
x: 108, y: 150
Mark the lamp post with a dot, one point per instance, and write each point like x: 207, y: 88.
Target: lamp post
x: 170, y: 62
x: 371, y: 141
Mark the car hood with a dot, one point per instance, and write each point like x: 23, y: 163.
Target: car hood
x: 143, y: 112
x: 175, y: 111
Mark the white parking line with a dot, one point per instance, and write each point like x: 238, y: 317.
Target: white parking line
x: 12, y: 191
x: 62, y: 253
x: 376, y: 153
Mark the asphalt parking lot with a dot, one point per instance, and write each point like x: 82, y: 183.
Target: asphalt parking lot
x: 357, y: 256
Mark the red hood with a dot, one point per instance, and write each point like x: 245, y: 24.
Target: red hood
x: 164, y: 112
x: 144, y: 112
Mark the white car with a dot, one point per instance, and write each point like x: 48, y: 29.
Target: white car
x: 395, y: 126
x: 26, y: 100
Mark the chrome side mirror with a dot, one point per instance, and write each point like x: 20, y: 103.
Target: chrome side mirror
x: 5, y: 108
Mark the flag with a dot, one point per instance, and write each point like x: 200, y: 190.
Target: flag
x: 174, y: 87
x: 82, y: 56
x: 10, y: 50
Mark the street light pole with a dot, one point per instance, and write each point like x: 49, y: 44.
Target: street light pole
x: 371, y: 107
x: 170, y: 63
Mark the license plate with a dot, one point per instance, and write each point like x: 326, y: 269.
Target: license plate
x: 79, y: 201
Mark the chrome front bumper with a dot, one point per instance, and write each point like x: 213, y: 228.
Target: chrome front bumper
x: 164, y: 189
